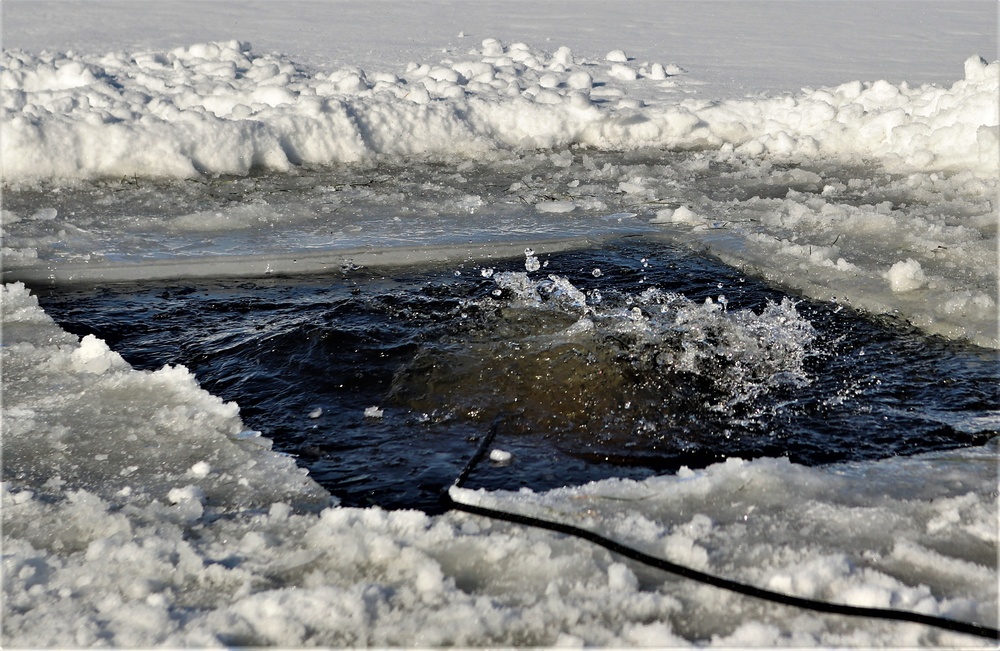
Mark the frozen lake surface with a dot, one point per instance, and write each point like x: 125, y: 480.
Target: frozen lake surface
x: 722, y: 283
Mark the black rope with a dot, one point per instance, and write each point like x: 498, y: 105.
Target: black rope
x: 695, y: 575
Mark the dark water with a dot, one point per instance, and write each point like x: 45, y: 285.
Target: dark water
x: 601, y: 363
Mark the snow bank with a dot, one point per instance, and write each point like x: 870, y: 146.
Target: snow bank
x: 922, y: 246
x: 903, y: 128
x: 78, y: 418
x: 221, y: 108
x: 136, y: 513
x: 877, y: 195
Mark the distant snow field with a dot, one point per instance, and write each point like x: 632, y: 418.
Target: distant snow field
x: 138, y: 510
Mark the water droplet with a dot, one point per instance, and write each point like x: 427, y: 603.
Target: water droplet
x: 530, y: 261
x: 596, y: 272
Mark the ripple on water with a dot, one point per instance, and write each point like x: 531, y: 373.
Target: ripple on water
x: 664, y: 359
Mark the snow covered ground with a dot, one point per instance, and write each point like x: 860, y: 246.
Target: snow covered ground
x: 881, y: 195
x: 848, y: 150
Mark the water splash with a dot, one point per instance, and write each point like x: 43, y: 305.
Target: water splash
x: 596, y: 377
x: 560, y: 362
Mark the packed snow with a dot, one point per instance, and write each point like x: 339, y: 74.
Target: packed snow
x: 139, y: 511
x: 918, y: 240
x: 221, y: 108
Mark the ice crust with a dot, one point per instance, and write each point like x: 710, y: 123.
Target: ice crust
x: 222, y: 108
x: 77, y: 418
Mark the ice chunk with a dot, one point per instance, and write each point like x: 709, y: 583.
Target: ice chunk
x: 94, y: 356
x: 580, y: 80
x: 679, y: 215
x: 500, y: 456
x: 200, y: 469
x: 623, y: 72
x: 657, y: 71
x: 563, y: 56
x: 906, y: 276
x: 45, y: 214
x: 492, y: 47
x: 555, y: 206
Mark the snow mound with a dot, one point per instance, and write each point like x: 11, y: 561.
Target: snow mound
x: 221, y: 108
